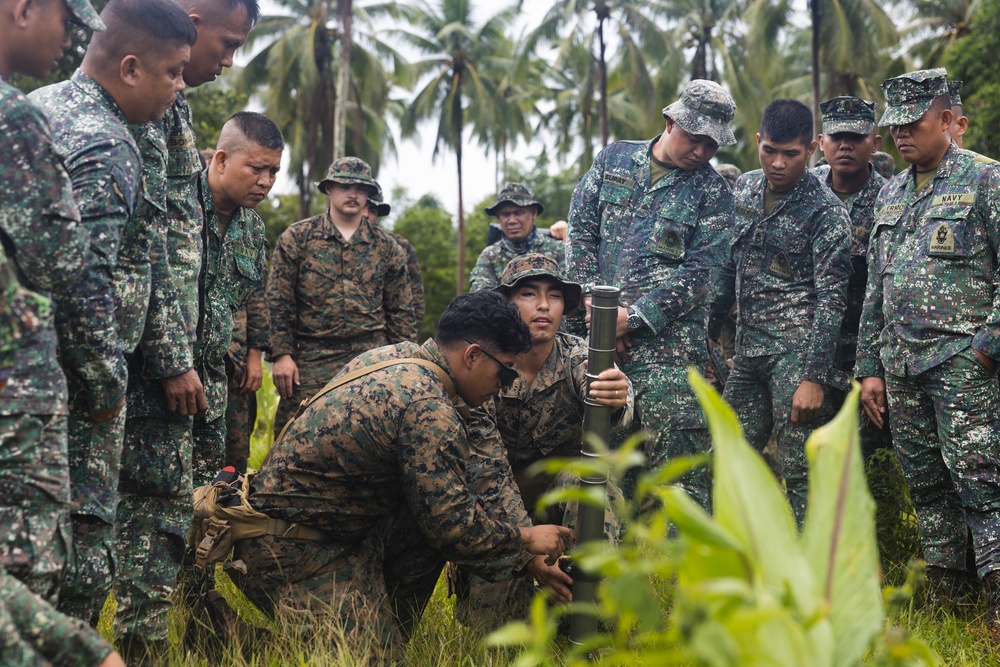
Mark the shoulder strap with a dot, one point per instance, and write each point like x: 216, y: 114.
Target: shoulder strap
x: 365, y: 370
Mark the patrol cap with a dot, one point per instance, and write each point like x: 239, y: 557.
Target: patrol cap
x: 909, y: 96
x: 704, y: 108
x: 378, y: 200
x: 537, y: 264
x: 348, y: 170
x: 955, y: 93
x: 848, y: 114
x: 730, y: 172
x: 884, y: 164
x: 517, y: 194
x: 84, y: 14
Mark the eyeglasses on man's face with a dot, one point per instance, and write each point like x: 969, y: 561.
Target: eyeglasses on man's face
x: 506, y: 374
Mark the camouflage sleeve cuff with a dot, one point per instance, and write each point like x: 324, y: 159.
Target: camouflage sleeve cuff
x: 647, y: 310
x: 167, y: 361
x: 868, y: 366
x: 987, y: 342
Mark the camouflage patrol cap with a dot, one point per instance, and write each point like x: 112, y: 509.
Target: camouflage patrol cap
x: 848, y: 114
x: 704, y: 108
x: 955, y: 93
x: 348, y: 170
x: 730, y: 172
x: 378, y: 201
x: 517, y: 194
x: 84, y: 14
x: 908, y: 97
x: 537, y: 264
x: 884, y: 164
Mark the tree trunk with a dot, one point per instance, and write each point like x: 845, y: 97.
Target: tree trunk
x: 344, y: 11
x: 814, y: 8
x: 603, y: 69
x: 460, y: 273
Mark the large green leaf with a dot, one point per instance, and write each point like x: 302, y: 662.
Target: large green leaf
x: 839, y: 535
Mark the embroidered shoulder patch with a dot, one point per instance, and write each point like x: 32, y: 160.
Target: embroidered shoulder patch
x: 942, y: 240
x: 779, y: 265
x: 671, y: 245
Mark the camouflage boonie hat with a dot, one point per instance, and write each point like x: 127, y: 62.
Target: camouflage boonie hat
x: 848, y: 114
x: 908, y: 97
x: 730, y: 172
x: 348, y: 170
x: 884, y: 164
x: 84, y: 14
x: 378, y: 201
x: 955, y: 93
x: 704, y: 108
x: 516, y: 194
x: 537, y: 264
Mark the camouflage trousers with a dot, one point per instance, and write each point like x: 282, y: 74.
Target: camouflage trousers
x: 241, y: 418
x: 34, y: 500
x: 317, y: 366
x: 209, y: 450
x: 34, y: 634
x: 669, y: 412
x: 155, y: 514
x: 760, y: 391
x: 377, y: 586
x: 946, y: 431
x: 488, y: 604
x: 95, y: 452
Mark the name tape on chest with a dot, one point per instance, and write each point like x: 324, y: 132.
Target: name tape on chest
x: 618, y: 179
x: 246, y: 251
x: 942, y: 240
x: 891, y: 209
x: 746, y: 211
x: 968, y: 198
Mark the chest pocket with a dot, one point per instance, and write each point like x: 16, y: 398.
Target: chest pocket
x: 788, y: 255
x: 674, y: 231
x: 946, y: 234
x: 882, y: 238
x: 612, y: 193
x: 245, y: 280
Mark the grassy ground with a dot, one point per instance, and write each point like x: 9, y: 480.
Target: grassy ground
x: 960, y: 638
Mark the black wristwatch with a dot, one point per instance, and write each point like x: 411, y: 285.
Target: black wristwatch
x: 634, y: 322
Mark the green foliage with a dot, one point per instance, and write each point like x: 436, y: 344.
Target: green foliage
x: 554, y: 190
x: 212, y: 104
x: 972, y: 60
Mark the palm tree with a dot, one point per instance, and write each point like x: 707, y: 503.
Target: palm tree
x: 937, y: 25
x: 457, y: 93
x: 700, y: 24
x: 636, y: 25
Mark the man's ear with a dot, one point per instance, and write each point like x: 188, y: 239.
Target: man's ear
x: 130, y: 70
x: 811, y: 148
x: 946, y: 117
x: 757, y: 137
x: 877, y: 141
x: 20, y: 11
x: 219, y: 161
x: 820, y: 138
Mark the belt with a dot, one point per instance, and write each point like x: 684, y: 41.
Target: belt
x: 295, y: 531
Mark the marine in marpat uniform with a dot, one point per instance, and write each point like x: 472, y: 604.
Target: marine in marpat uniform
x: 654, y: 219
x: 338, y: 287
x: 367, y: 490
x: 787, y: 274
x: 90, y: 115
x: 929, y: 341
x: 539, y: 416
x: 515, y: 209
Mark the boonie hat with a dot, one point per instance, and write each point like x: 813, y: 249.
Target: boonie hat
x: 517, y: 194
x: 909, y: 96
x: 85, y: 14
x: 377, y: 200
x: 537, y: 264
x: 348, y: 170
x: 704, y: 108
x: 955, y: 93
x: 848, y: 114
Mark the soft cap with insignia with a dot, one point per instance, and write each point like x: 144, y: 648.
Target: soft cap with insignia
x: 955, y: 93
x: 704, y: 108
x: 848, y: 114
x: 908, y: 97
x: 84, y: 14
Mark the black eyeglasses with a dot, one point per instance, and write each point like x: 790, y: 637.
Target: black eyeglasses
x: 507, y: 374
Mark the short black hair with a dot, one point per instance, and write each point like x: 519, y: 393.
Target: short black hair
x: 141, y: 27
x: 252, y: 7
x: 259, y: 129
x: 942, y: 103
x: 787, y: 120
x: 486, y: 318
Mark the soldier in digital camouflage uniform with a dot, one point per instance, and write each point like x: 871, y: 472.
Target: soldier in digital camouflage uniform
x: 787, y: 274
x: 515, y: 209
x: 848, y: 141
x: 960, y: 122
x: 375, y: 471
x: 884, y: 164
x: 90, y: 116
x: 240, y: 176
x: 928, y: 345
x: 654, y: 218
x: 377, y: 208
x: 540, y: 416
x: 730, y: 172
x: 47, y: 249
x: 32, y: 632
x: 338, y: 287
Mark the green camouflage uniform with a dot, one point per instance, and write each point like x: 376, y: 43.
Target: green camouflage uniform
x: 523, y: 425
x: 661, y: 245
x: 156, y: 461
x: 332, y: 299
x: 788, y: 275
x: 47, y: 249
x: 414, y: 279
x: 932, y: 299
x: 852, y: 114
x: 378, y: 464
x: 103, y: 160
